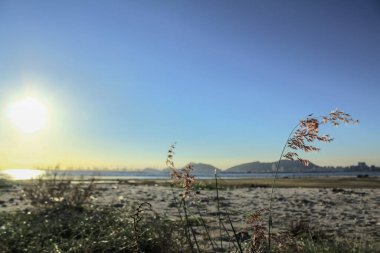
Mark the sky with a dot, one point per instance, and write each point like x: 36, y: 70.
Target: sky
x: 225, y: 80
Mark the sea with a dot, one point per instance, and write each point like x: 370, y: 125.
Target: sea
x: 25, y: 174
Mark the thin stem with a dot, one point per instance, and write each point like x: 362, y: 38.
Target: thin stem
x: 234, y: 231
x: 228, y: 234
x: 206, y: 228
x: 218, y: 209
x: 188, y: 226
x: 273, y: 185
x: 178, y: 205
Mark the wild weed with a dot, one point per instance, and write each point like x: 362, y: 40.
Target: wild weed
x: 5, y: 183
x: 54, y: 192
x: 101, y: 229
x: 306, y: 131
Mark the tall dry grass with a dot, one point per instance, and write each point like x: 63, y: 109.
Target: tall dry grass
x: 300, y: 139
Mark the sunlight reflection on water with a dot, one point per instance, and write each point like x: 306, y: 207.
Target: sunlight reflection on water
x: 22, y: 174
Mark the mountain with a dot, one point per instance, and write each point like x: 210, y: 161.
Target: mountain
x: 258, y: 167
x: 151, y: 171
x: 200, y: 169
x: 204, y: 169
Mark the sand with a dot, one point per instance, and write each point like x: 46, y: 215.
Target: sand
x: 341, y: 213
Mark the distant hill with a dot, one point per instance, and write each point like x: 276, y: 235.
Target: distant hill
x: 204, y: 169
x: 259, y: 167
x: 200, y: 169
x: 151, y: 171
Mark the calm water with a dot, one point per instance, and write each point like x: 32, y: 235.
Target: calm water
x: 22, y: 174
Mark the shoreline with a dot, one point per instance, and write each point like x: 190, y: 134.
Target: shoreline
x: 307, y: 182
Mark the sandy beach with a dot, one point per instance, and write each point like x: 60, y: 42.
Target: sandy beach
x: 339, y: 212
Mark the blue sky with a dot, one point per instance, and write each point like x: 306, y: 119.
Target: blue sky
x: 227, y: 80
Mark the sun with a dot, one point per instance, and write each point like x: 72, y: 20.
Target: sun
x: 22, y: 174
x: 28, y: 115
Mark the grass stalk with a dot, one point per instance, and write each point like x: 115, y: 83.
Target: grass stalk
x: 218, y: 209
x: 270, y: 221
x: 228, y: 234
x: 178, y: 205
x: 306, y: 130
x: 235, y: 234
x: 189, y: 226
x: 206, y: 229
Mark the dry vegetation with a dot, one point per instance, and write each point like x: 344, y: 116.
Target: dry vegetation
x: 65, y: 220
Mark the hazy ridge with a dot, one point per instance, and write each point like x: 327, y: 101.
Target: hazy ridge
x: 268, y: 167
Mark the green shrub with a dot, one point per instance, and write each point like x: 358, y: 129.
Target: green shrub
x: 73, y: 229
x: 46, y: 192
x: 4, y: 183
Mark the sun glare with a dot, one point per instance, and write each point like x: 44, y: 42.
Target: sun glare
x: 23, y: 174
x: 28, y: 115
